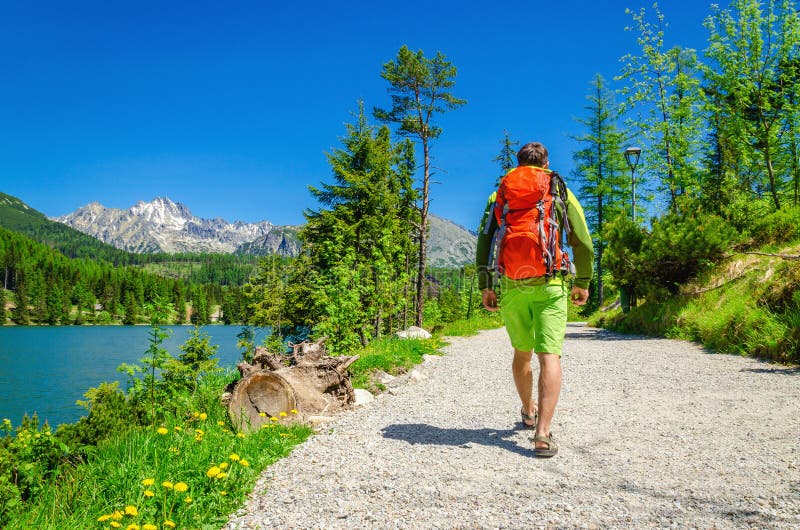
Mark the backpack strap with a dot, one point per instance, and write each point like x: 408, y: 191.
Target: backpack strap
x: 558, y: 190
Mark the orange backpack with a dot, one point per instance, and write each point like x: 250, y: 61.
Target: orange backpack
x: 531, y: 212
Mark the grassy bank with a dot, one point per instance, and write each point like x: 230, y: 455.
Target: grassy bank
x: 191, y: 470
x: 748, y: 305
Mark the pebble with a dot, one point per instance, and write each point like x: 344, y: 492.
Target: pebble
x: 651, y: 434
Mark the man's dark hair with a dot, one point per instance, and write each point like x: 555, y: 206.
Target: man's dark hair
x: 532, y: 154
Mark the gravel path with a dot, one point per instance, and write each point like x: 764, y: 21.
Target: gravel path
x: 652, y: 433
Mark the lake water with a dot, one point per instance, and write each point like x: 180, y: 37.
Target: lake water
x: 45, y: 369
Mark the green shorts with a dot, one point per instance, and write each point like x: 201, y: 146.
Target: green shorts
x: 535, y: 313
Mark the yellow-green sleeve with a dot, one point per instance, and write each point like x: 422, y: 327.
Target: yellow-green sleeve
x: 486, y: 232
x: 580, y: 240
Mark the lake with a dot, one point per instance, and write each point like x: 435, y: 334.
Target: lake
x: 45, y: 369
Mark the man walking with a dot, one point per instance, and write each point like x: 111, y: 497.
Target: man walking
x: 520, y: 237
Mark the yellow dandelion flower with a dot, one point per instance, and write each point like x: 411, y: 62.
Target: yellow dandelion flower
x: 162, y: 430
x: 169, y: 524
x: 223, y: 493
x: 222, y: 475
x: 220, y: 423
x: 262, y: 414
x: 223, y: 465
x: 167, y: 484
x: 199, y: 432
x: 148, y: 493
x: 294, y: 411
x: 240, y: 435
x: 132, y: 527
x: 180, y: 487
x: 282, y: 414
x: 148, y: 526
x: 195, y: 414
x: 203, y: 416
x: 284, y: 434
x: 178, y: 428
x: 174, y: 450
x: 187, y: 500
x: 244, y: 462
x: 234, y: 457
x: 115, y: 524
x: 103, y: 518
x: 131, y: 510
x: 273, y: 418
x: 117, y: 515
x: 213, y: 471
x: 148, y: 482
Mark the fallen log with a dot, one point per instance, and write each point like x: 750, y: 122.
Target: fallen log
x: 294, y: 387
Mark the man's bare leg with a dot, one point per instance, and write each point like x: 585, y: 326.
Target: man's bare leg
x: 549, y: 389
x: 523, y: 380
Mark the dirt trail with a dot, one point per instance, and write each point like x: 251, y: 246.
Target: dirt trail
x: 653, y: 433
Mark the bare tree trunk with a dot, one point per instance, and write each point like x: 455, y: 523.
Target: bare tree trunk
x: 423, y: 232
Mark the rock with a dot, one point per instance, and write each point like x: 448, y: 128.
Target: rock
x: 416, y: 375
x: 363, y: 397
x: 317, y: 420
x: 383, y: 378
x: 413, y: 333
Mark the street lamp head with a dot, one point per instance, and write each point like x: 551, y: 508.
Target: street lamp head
x: 632, y: 157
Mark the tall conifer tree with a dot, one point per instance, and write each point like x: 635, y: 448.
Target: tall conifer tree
x: 420, y: 90
x: 600, y: 168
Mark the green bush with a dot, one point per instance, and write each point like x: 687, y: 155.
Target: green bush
x: 676, y: 250
x: 781, y: 226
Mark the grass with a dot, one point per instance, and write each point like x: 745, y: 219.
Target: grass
x: 746, y: 306
x: 471, y: 326
x: 391, y: 355
x: 160, y: 475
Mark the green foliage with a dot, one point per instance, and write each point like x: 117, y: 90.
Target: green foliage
x: 753, y: 78
x: 601, y: 170
x: 197, y: 358
x: 166, y: 459
x: 29, y: 457
x: 664, y: 86
x: 109, y: 411
x: 676, y: 250
x: 419, y: 88
x: 622, y: 260
x: 357, y: 246
x: 747, y: 314
x: 781, y: 226
x: 465, y: 327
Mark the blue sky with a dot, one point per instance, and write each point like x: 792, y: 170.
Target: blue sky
x: 230, y: 107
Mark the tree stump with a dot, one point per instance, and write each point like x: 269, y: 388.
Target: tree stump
x: 308, y: 382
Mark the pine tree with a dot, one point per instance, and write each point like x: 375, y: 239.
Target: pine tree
x: 419, y: 89
x: 507, y: 157
x: 600, y: 168
x: 3, y: 313
x: 21, y: 314
x: 358, y: 243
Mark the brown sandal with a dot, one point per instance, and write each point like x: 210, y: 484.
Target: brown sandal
x: 529, y: 417
x: 549, y: 451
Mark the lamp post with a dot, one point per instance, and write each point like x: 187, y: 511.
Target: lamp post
x: 632, y: 158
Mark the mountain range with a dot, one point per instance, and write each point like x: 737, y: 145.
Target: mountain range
x: 162, y: 225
